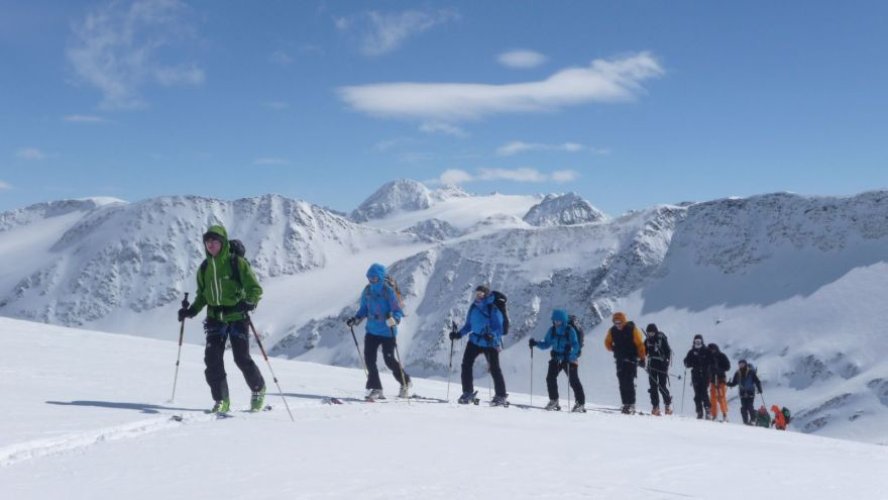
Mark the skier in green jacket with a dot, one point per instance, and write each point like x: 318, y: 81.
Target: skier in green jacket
x: 228, y: 288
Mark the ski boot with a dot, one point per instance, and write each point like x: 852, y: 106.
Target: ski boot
x: 724, y: 418
x: 405, y: 390
x: 669, y: 409
x: 553, y: 405
x: 374, y: 394
x: 578, y: 408
x: 500, y: 400
x: 468, y: 397
x: 221, y: 407
x: 257, y: 400
x: 628, y: 410
x: 655, y: 411
x: 699, y: 415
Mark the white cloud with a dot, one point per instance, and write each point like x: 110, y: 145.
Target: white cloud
x: 5, y: 186
x: 442, y: 128
x: 612, y: 80
x: 389, y: 144
x: 455, y: 176
x: 516, y: 147
x: 271, y: 161
x: 83, y: 119
x: 524, y: 174
x: 521, y: 59
x: 562, y: 176
x: 32, y: 154
x: 116, y: 48
x: 280, y: 58
x: 381, y: 33
x: 276, y: 105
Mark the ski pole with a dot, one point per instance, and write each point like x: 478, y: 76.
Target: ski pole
x: 450, y: 363
x: 762, y: 394
x: 531, y: 376
x: 355, y: 338
x: 179, y: 354
x: 398, y: 357
x: 683, y: 385
x: 567, y: 369
x: 270, y: 369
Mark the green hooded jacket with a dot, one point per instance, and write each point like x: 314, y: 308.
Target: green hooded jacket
x: 218, y: 289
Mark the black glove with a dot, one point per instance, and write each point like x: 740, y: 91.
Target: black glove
x: 185, y: 312
x: 454, y: 335
x: 352, y: 321
x: 532, y: 343
x: 244, y: 306
x: 641, y: 362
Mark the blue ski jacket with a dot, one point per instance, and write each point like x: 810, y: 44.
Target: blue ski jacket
x: 378, y: 301
x: 485, y: 322
x: 562, y: 339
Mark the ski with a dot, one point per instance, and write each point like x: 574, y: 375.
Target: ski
x: 331, y: 401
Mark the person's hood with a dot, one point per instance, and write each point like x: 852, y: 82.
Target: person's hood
x: 218, y: 230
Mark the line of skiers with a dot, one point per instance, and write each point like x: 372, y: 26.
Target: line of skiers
x: 227, y: 286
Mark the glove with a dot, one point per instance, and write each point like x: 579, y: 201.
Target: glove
x: 454, y: 335
x: 532, y: 343
x: 391, y: 322
x: 244, y: 306
x: 185, y: 312
x: 352, y: 321
x: 641, y: 362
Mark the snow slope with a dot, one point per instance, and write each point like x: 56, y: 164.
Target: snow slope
x: 91, y: 421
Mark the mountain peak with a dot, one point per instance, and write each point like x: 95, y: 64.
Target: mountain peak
x: 395, y: 196
x: 563, y: 210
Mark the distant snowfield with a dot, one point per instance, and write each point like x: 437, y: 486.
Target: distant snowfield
x: 87, y: 417
x: 462, y: 213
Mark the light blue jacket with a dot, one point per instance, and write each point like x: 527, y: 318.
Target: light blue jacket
x: 378, y: 301
x: 563, y: 340
x: 485, y: 322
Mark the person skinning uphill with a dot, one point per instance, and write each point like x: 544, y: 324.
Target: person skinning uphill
x: 381, y: 307
x: 718, y: 381
x: 749, y: 383
x: 563, y: 340
x: 484, y: 324
x: 699, y: 361
x: 659, y: 356
x: 227, y: 287
x: 625, y: 340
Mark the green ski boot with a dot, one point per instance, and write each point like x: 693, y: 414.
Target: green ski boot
x: 223, y: 406
x: 257, y: 400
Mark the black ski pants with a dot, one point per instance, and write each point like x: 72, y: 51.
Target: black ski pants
x: 747, y: 407
x: 658, y: 378
x: 627, y: 371
x: 472, y: 351
x: 573, y: 377
x: 217, y: 334
x: 371, y: 345
x: 701, y: 394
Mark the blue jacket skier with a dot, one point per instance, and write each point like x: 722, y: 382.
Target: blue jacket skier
x: 381, y: 306
x: 484, y: 325
x: 562, y: 338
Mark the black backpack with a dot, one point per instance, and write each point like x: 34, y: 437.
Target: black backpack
x: 499, y: 300
x: 574, y: 323
x: 236, y: 249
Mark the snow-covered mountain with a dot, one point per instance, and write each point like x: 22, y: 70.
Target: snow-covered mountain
x: 72, y: 434
x: 794, y: 284
x: 563, y: 210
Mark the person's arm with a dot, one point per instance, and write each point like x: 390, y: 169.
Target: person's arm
x: 362, y: 310
x: 395, y: 305
x: 199, y: 300
x: 638, y: 338
x: 609, y: 341
x: 758, y: 383
x: 252, y: 289
x: 547, y: 340
x: 467, y: 326
x: 574, y: 345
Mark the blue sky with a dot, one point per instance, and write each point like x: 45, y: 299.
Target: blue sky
x: 629, y: 103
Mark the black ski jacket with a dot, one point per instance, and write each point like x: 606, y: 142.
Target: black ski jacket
x: 700, y: 363
x: 658, y: 351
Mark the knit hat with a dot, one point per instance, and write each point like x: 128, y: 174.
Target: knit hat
x: 651, y: 328
x: 482, y: 288
x: 618, y: 316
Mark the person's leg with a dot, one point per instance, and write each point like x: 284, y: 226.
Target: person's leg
x: 215, y: 367
x: 371, y: 345
x: 552, y: 379
x: 575, y: 384
x: 499, y: 383
x: 240, y: 347
x: 388, y: 355
x: 468, y: 384
x: 664, y: 387
x: 654, y: 389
